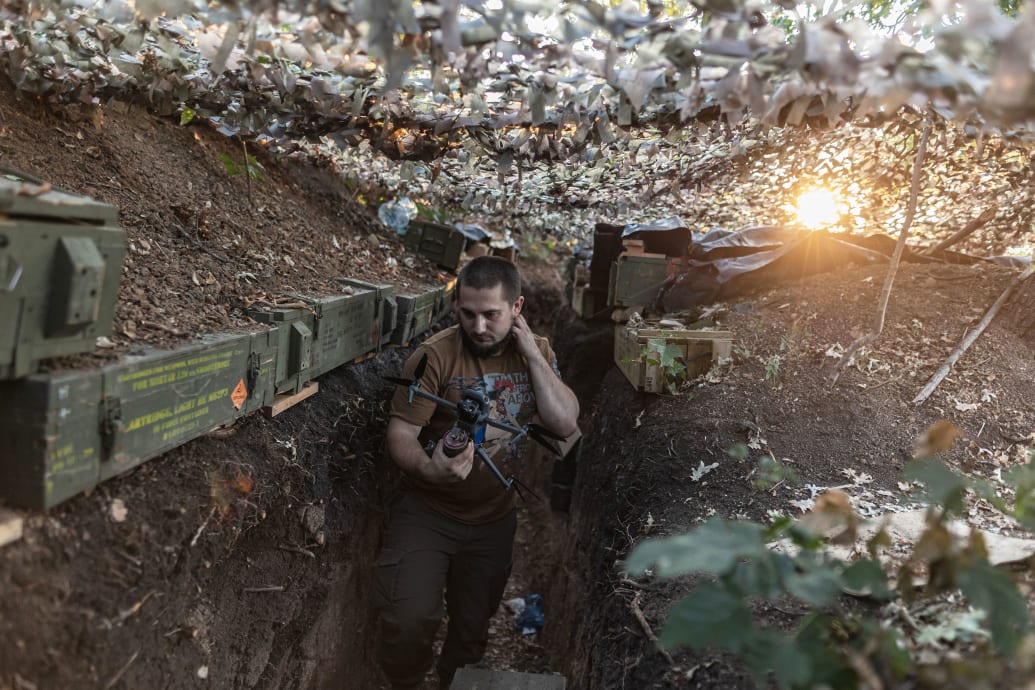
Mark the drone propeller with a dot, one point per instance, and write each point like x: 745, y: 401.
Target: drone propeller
x: 545, y: 437
x: 540, y: 429
x: 414, y: 383
x: 418, y: 373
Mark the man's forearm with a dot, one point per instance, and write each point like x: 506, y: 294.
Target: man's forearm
x: 407, y: 453
x: 556, y: 403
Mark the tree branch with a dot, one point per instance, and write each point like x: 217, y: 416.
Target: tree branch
x: 896, y: 256
x: 972, y: 336
x: 968, y: 229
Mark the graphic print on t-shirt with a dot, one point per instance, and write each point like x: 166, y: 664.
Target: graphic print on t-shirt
x: 511, y: 401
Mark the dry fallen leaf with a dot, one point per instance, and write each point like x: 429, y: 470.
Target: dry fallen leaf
x: 938, y: 438
x: 832, y: 516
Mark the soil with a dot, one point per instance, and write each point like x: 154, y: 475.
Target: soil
x: 242, y: 559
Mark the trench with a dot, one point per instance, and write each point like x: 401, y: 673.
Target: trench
x: 270, y: 587
x: 329, y: 640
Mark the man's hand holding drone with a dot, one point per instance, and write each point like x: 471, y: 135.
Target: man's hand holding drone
x: 443, y: 469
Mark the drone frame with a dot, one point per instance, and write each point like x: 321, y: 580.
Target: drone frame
x: 536, y: 432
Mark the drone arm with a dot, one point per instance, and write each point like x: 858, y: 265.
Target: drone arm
x: 416, y: 390
x: 492, y: 467
x: 506, y: 427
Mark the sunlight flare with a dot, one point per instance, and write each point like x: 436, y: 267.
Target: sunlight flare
x: 819, y: 208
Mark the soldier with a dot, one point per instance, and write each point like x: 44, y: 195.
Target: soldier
x: 452, y: 527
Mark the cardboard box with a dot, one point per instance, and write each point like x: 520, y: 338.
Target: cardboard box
x: 698, y: 350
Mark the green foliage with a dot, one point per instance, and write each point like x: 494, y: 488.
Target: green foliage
x: 186, y: 115
x: 771, y: 472
x: 772, y: 368
x: 1022, y: 478
x: 832, y: 643
x: 738, y: 451
x: 996, y: 594
x: 713, y: 548
x: 716, y: 613
x: 252, y: 165
x: 432, y: 214
x: 942, y: 486
x: 669, y: 358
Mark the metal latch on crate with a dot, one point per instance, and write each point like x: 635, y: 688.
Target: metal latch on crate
x: 10, y: 268
x: 111, y: 424
x: 252, y: 375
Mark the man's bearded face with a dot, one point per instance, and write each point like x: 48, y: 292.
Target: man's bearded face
x: 486, y: 319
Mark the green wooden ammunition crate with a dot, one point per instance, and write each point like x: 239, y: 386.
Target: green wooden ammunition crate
x: 439, y: 243
x: 636, y: 280
x: 416, y: 314
x: 50, y: 434
x: 386, y: 307
x: 156, y: 402
x: 445, y: 304
x: 345, y: 327
x: 60, y: 260
x: 294, y: 345
x: 260, y: 383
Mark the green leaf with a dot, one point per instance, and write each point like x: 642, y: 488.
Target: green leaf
x: 818, y: 585
x: 1022, y: 479
x: 669, y: 354
x: 1007, y: 611
x: 762, y: 576
x: 228, y: 164
x: 829, y: 667
x: 711, y: 616
x: 714, y: 548
x: 894, y: 651
x: 770, y: 651
x: 738, y: 451
x: 866, y: 577
x: 942, y: 485
x: 187, y: 115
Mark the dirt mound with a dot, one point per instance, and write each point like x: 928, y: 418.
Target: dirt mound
x: 640, y: 466
x: 205, y: 241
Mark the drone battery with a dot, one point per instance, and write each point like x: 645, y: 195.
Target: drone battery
x: 454, y: 442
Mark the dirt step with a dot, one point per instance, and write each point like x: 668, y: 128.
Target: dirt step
x: 484, y: 679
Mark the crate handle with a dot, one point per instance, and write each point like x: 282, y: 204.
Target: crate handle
x: 13, y: 283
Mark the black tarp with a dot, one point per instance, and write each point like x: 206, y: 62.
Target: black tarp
x: 724, y: 263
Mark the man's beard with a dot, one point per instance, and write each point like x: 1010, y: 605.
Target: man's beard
x: 485, y: 351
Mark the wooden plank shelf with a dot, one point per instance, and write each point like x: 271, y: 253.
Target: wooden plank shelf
x: 284, y: 402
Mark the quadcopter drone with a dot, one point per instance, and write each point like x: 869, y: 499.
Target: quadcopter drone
x: 472, y: 418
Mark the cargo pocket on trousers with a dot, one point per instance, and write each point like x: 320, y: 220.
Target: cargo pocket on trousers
x: 386, y: 576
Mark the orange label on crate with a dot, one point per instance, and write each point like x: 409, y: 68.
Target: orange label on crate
x: 239, y: 394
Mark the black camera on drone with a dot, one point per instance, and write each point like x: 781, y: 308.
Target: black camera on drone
x: 472, y: 416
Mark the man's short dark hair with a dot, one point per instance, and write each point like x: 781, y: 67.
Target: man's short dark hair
x: 486, y: 272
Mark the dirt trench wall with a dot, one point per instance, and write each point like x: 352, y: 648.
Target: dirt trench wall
x: 239, y: 560
x: 587, y: 632
x: 584, y: 634
x: 625, y: 471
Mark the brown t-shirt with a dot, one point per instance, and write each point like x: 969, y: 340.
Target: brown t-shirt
x: 451, y: 368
